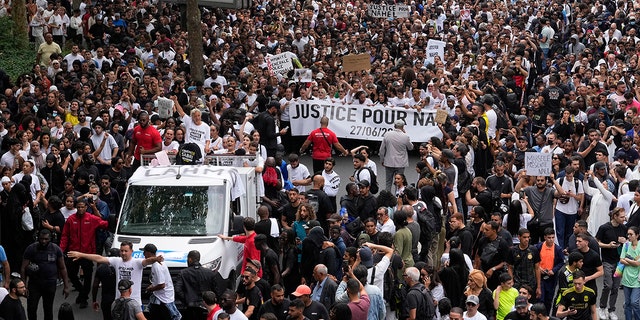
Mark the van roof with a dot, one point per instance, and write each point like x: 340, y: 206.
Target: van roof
x: 188, y: 175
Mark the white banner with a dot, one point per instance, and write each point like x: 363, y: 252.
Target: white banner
x: 388, y: 11
x: 279, y: 63
x: 537, y: 163
x: 435, y: 48
x: 360, y: 121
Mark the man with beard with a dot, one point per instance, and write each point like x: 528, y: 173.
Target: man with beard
x: 145, y: 140
x: 277, y: 305
x: 539, y: 198
x: 48, y: 258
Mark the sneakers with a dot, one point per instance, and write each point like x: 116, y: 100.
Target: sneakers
x: 602, y: 314
x: 613, y: 316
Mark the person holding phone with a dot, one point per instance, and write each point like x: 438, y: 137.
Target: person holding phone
x: 578, y: 302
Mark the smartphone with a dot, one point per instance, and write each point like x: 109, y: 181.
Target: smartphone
x: 345, y: 266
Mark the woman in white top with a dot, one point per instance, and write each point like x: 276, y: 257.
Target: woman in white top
x: 601, y: 199
x: 169, y: 145
x: 68, y: 209
x: 364, y: 150
x: 216, y: 140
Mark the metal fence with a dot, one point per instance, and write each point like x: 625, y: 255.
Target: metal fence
x: 214, y: 160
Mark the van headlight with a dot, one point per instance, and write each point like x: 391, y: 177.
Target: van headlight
x: 213, y: 265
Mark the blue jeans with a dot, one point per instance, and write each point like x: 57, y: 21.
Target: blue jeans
x: 564, y: 227
x: 631, y: 303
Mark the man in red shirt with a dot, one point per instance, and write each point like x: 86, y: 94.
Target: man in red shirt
x: 79, y: 234
x: 323, y: 139
x: 145, y: 140
x: 250, y: 250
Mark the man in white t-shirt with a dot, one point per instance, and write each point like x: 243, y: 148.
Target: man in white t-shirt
x: 197, y: 131
x: 126, y: 267
x: 162, y: 299
x: 472, y: 309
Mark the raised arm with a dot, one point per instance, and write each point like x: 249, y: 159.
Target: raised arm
x: 75, y: 255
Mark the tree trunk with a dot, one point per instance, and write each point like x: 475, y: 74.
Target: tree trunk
x: 196, y: 49
x: 19, y: 16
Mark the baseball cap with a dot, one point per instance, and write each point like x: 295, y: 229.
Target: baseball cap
x: 366, y: 257
x: 364, y: 183
x: 521, y: 302
x: 449, y: 154
x: 473, y: 299
x: 124, y: 284
x: 334, y: 217
x: 302, y: 290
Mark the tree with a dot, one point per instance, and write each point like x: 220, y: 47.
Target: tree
x: 19, y: 16
x: 196, y: 49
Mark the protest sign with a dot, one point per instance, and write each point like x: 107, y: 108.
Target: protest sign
x: 302, y: 75
x: 279, y: 63
x: 356, y: 62
x: 356, y: 121
x: 441, y: 116
x: 537, y: 163
x: 388, y: 11
x: 165, y: 107
x: 435, y: 48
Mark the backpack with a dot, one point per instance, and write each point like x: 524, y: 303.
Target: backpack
x: 120, y: 310
x: 427, y: 222
x: 390, y: 285
x: 502, y: 122
x: 399, y: 296
x: 464, y: 181
x: 374, y: 188
x: 423, y: 309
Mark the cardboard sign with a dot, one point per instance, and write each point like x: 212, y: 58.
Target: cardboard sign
x: 279, y: 63
x: 356, y: 62
x: 388, y: 11
x: 165, y: 107
x: 441, y: 116
x: 537, y: 163
x: 435, y: 48
x: 302, y: 75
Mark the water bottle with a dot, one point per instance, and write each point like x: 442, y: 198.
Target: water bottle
x: 343, y: 211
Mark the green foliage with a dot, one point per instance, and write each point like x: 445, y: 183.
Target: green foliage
x: 13, y: 60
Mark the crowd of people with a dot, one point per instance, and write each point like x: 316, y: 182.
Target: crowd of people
x: 475, y: 237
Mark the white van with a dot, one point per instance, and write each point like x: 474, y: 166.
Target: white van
x: 184, y: 208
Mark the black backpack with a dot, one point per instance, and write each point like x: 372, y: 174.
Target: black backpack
x: 428, y: 224
x: 120, y: 310
x: 374, y: 188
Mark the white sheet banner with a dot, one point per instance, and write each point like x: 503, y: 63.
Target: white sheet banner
x: 360, y: 121
x: 435, y: 48
x: 388, y: 11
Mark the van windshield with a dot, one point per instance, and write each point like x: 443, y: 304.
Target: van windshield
x: 173, y: 211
